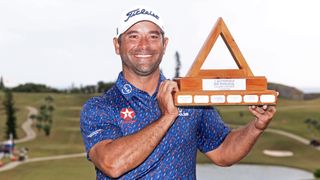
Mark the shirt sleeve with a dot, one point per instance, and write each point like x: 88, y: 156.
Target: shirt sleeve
x: 211, y: 131
x: 96, y: 124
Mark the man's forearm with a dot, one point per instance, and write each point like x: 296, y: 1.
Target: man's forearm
x: 237, y: 145
x: 242, y: 140
x: 125, y: 153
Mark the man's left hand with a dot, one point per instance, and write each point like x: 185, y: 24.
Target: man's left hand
x: 263, y: 115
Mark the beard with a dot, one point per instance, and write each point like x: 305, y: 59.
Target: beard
x: 142, y: 66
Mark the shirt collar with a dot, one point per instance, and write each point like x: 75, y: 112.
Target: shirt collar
x: 128, y: 90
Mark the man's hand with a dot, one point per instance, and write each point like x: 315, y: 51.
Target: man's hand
x: 165, y: 98
x: 263, y: 115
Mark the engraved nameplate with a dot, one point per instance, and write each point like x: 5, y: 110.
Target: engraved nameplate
x: 223, y: 84
x: 218, y: 98
x: 201, y: 99
x: 266, y: 98
x: 234, y: 98
x: 251, y: 98
x: 183, y: 99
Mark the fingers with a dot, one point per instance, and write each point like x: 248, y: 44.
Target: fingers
x: 263, y: 115
x: 165, y: 97
x: 271, y: 109
x: 257, y: 109
x: 168, y: 86
x: 263, y: 109
x: 253, y: 110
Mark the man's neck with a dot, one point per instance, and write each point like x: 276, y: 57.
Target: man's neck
x: 145, y: 83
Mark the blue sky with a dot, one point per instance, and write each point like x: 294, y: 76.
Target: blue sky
x: 64, y: 42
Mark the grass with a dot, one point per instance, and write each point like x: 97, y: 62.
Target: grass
x: 73, y: 168
x: 290, y: 115
x: 66, y: 138
x: 305, y: 157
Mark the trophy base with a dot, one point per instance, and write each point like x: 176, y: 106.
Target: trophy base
x: 207, y: 98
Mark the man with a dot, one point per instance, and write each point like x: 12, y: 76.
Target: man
x: 134, y: 130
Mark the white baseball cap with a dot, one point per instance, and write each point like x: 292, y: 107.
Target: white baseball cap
x: 136, y: 14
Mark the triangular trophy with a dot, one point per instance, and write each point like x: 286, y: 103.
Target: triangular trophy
x: 222, y: 86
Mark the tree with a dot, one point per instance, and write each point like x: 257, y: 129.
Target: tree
x: 241, y: 114
x: 90, y: 89
x: 32, y: 87
x: 1, y: 84
x: 317, y: 173
x: 178, y: 65
x: 10, y: 112
x: 45, y: 116
x: 313, y: 126
x: 102, y: 86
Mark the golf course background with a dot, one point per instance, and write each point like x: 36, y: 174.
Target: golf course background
x: 65, y: 137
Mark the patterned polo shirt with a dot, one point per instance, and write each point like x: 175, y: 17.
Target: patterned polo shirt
x: 124, y: 110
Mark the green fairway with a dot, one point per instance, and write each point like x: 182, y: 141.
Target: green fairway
x: 290, y: 115
x: 65, y: 137
x: 305, y: 157
x: 73, y: 168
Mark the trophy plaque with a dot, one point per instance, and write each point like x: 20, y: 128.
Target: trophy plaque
x: 206, y: 87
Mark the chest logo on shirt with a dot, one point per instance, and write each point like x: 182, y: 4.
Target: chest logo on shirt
x: 182, y: 113
x: 126, y: 89
x: 127, y: 114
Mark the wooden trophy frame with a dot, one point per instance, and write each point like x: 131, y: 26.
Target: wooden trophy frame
x: 205, y: 87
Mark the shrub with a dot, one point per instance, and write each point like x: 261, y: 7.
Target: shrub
x: 317, y: 173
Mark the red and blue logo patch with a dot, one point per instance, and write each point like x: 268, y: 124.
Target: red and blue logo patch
x: 127, y: 114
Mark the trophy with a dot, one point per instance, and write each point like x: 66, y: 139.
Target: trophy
x: 206, y: 87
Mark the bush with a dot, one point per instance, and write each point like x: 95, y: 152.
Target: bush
x: 317, y: 173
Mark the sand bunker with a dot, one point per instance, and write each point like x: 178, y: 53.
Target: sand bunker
x: 277, y: 153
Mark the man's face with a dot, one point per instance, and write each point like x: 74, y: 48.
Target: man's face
x: 141, y: 48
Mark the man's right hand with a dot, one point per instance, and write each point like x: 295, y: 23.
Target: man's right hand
x: 165, y: 99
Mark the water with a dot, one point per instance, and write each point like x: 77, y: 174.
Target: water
x: 251, y: 172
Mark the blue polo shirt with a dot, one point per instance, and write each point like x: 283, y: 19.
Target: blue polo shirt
x: 124, y: 110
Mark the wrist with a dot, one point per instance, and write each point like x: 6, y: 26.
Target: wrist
x: 257, y: 127
x: 171, y: 114
x: 168, y: 118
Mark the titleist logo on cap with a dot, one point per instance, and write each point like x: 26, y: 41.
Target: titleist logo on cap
x: 138, y: 11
